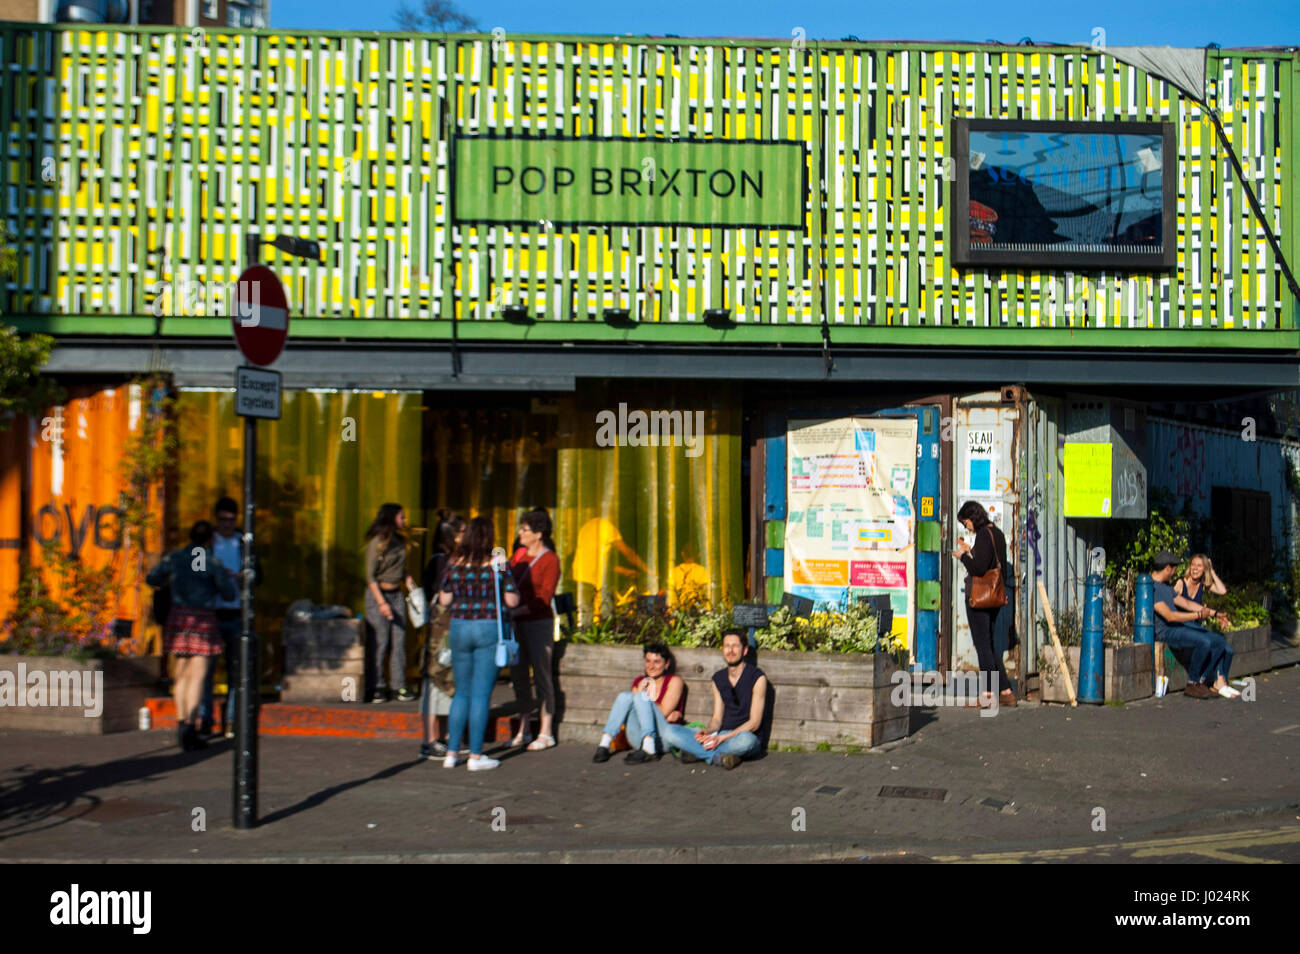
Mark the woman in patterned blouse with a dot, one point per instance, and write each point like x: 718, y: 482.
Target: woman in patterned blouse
x: 470, y: 588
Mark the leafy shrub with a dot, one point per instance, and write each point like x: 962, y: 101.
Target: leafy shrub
x: 79, y: 623
x: 852, y: 630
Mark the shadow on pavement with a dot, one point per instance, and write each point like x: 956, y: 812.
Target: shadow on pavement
x: 46, y: 797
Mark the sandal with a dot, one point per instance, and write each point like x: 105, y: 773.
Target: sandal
x: 542, y: 742
x: 523, y: 738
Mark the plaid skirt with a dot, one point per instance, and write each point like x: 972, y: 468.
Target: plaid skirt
x: 192, y: 632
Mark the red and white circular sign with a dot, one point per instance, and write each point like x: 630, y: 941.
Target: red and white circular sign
x: 259, y: 313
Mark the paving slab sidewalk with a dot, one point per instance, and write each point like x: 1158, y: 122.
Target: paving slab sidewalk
x: 1029, y: 777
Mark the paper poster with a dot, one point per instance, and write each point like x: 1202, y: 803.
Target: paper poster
x: 1088, y: 480
x: 851, y: 521
x: 981, y: 461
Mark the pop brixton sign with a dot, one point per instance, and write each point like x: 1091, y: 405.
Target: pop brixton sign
x: 528, y: 180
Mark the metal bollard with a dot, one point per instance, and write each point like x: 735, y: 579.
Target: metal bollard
x: 1144, y: 613
x: 1092, y: 654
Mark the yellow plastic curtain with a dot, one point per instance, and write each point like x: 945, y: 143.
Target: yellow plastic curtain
x: 323, y: 470
x: 640, y: 520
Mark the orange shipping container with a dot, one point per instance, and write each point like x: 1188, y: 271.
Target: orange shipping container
x: 63, y: 473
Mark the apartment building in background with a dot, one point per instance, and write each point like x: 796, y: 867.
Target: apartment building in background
x: 203, y: 13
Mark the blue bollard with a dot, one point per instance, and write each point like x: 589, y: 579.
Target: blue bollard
x: 1144, y: 612
x: 1092, y: 655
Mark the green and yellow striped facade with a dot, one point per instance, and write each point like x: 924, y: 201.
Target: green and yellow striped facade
x: 133, y: 160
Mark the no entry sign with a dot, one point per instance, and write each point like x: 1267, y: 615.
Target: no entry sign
x: 259, y: 313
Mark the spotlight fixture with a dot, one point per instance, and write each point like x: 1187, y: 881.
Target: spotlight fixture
x: 618, y: 318
x: 718, y: 318
x: 517, y: 315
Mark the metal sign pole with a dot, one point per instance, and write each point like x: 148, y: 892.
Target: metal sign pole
x: 244, y: 809
x: 245, y: 804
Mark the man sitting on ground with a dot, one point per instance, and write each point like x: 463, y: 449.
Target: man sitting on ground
x: 657, y: 698
x: 1211, y: 657
x: 739, y: 694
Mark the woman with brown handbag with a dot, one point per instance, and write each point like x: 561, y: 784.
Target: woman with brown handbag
x: 985, y: 596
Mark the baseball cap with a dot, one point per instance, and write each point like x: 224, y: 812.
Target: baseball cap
x: 1163, y: 559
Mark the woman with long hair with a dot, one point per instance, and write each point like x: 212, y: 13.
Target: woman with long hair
x: 536, y: 570
x: 1191, y: 586
x: 191, y: 633
x: 476, y: 587
x: 990, y: 551
x: 439, y: 684
x: 386, y: 543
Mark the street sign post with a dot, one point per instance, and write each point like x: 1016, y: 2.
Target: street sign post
x: 259, y: 315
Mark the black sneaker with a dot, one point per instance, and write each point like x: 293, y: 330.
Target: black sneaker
x: 380, y: 696
x: 637, y: 756
x: 602, y: 754
x: 405, y: 695
x: 688, y: 758
x: 432, y: 750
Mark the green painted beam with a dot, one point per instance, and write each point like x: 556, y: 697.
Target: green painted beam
x: 664, y: 333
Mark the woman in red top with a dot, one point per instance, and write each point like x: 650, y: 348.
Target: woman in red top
x: 536, y: 570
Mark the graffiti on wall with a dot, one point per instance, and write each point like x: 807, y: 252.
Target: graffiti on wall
x: 1187, y: 464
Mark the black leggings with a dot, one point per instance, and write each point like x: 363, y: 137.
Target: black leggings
x: 981, y: 634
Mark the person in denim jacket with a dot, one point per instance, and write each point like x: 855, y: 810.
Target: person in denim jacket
x: 191, y: 633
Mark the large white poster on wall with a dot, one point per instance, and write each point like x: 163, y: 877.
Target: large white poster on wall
x: 850, y: 524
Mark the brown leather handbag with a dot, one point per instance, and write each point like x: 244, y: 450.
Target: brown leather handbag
x: 987, y: 592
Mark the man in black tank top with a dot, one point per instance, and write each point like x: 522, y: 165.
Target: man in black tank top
x: 739, y: 694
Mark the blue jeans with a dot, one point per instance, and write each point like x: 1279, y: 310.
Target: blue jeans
x: 1211, y: 654
x: 473, y: 660
x: 638, y: 715
x: 682, y: 737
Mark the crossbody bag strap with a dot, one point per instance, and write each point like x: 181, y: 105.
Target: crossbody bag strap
x: 496, y: 591
x: 993, y: 541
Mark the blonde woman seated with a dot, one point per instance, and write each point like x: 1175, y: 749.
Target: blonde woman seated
x: 1189, y: 591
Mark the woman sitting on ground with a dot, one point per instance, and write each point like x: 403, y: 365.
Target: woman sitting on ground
x: 632, y: 710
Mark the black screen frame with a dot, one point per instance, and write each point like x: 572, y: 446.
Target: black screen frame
x: 964, y: 257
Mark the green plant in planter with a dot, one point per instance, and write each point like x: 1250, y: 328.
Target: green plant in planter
x: 78, y: 623
x: 850, y: 631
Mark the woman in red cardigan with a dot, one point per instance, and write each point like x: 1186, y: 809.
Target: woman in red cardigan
x: 536, y: 570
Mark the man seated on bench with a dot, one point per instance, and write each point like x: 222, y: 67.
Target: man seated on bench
x: 739, y: 694
x: 1211, y: 657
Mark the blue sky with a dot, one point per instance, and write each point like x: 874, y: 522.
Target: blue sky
x: 1126, y: 22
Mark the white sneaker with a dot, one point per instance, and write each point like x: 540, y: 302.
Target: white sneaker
x: 451, y: 761
x: 482, y: 764
x: 1229, y: 693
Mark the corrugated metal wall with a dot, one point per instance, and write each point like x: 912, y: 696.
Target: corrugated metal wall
x: 1052, y: 549
x: 120, y: 142
x: 72, y: 459
x: 1189, y: 460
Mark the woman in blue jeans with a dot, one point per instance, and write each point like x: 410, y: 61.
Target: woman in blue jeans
x: 475, y: 588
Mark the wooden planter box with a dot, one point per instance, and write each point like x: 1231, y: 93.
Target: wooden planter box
x: 1129, y: 673
x: 324, y: 661
x: 126, y: 682
x: 1251, y: 653
x: 838, y: 699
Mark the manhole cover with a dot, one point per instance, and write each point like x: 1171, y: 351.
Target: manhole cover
x: 907, y: 791
x: 113, y: 810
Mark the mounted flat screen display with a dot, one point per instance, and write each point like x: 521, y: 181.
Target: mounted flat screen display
x: 1067, y: 194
